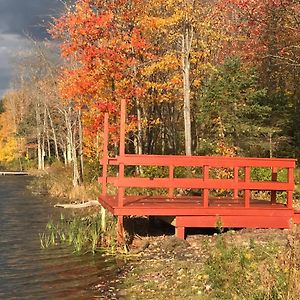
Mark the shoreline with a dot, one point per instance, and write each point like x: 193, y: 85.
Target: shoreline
x: 192, y: 268
x: 204, y: 266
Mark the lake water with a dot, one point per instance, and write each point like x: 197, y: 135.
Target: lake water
x: 29, y: 272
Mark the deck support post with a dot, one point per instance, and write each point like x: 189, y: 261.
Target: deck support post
x: 290, y: 199
x: 105, y: 154
x: 121, y: 190
x: 180, y: 232
x: 122, y: 127
x: 273, y: 193
x: 247, y: 191
x: 105, y: 168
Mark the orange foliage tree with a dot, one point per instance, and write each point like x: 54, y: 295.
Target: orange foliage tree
x: 104, y: 48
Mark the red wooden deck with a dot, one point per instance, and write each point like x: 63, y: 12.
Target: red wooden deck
x: 239, y: 208
x: 189, y: 211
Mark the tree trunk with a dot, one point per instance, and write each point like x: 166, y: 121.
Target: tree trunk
x: 80, y: 151
x: 69, y: 138
x: 187, y: 39
x: 139, y: 125
x: 54, y: 135
x: 76, y: 175
x: 65, y: 155
x: 39, y: 137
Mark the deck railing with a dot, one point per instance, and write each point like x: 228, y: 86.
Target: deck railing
x: 239, y: 168
x: 238, y: 181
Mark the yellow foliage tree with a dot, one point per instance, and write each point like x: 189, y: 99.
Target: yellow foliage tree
x: 10, y: 148
x: 187, y: 38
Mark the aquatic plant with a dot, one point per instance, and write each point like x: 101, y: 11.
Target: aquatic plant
x: 82, y: 233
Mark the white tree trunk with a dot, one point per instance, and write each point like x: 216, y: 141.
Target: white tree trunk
x: 53, y: 135
x: 69, y: 137
x: 40, y: 150
x: 80, y: 151
x: 187, y: 39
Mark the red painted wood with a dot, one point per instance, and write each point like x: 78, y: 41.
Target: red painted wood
x: 180, y: 232
x: 290, y: 199
x: 234, y: 221
x: 247, y: 187
x: 164, y: 210
x: 212, y: 161
x: 236, y: 180
x: 290, y: 191
x: 122, y: 128
x: 274, y: 178
x: 171, y: 178
x: 140, y: 205
x: 205, y: 191
x: 121, y: 189
x: 200, y: 183
x: 296, y: 217
x: 204, y: 210
x: 105, y: 154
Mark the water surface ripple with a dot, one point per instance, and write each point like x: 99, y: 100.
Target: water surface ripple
x: 26, y: 270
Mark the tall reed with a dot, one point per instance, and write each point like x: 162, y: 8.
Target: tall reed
x: 82, y: 233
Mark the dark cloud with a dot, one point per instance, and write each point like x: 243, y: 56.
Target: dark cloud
x: 4, y: 81
x: 28, y: 16
x: 18, y: 19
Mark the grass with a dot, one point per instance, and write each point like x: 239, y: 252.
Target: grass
x: 255, y: 271
x: 82, y: 233
x: 57, y: 181
x: 221, y: 268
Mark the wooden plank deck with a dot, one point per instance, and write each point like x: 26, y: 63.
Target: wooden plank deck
x: 190, y: 212
x: 231, y: 174
x: 193, y: 206
x: 154, y: 204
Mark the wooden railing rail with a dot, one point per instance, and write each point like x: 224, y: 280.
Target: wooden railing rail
x: 205, y: 183
x: 194, y: 161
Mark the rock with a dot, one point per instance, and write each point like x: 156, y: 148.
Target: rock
x: 141, y: 248
x: 174, y: 244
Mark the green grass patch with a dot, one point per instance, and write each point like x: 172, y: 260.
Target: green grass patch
x: 222, y: 267
x: 82, y: 233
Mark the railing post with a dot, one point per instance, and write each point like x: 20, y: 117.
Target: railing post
x: 236, y: 181
x: 247, y: 191
x: 105, y: 155
x: 121, y: 190
x: 171, y: 176
x: 290, y: 192
x: 274, y: 178
x: 104, y: 169
x: 205, y: 190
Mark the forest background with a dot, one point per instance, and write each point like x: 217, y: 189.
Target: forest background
x: 200, y: 77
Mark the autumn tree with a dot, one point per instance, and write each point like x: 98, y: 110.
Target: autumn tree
x: 232, y: 112
x: 11, y: 147
x: 265, y: 34
x: 185, y: 37
x: 104, y: 48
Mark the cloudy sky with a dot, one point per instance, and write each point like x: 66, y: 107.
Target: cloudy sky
x: 18, y: 19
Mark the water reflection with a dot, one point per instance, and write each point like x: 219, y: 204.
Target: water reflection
x: 28, y: 272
